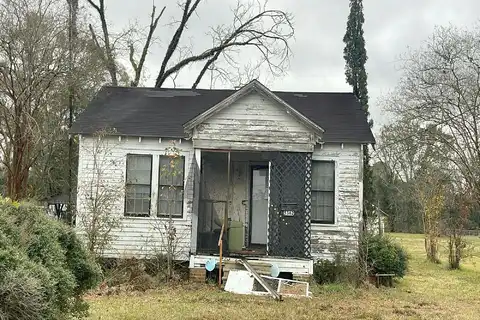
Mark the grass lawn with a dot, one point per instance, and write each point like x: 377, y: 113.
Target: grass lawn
x: 428, y: 291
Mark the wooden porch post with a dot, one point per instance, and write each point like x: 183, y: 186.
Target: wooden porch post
x: 197, y: 156
x: 224, y: 224
x: 225, y: 218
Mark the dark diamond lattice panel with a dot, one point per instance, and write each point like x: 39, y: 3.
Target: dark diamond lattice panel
x: 290, y: 205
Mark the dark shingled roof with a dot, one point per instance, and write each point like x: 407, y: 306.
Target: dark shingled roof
x: 154, y: 112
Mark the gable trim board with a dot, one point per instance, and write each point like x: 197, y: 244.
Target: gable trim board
x: 245, y: 90
x: 253, y: 118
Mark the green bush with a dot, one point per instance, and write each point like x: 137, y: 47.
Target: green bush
x: 128, y: 274
x: 325, y: 271
x: 44, y: 269
x: 383, y: 255
x: 342, y: 269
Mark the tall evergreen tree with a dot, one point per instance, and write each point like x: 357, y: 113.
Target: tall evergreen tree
x: 355, y: 56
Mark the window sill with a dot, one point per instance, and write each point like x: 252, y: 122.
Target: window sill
x: 320, y: 225
x: 135, y: 216
x: 167, y: 217
x: 153, y: 218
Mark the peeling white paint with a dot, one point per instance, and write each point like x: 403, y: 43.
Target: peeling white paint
x: 254, y: 123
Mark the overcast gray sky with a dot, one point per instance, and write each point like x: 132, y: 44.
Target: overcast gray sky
x: 391, y: 26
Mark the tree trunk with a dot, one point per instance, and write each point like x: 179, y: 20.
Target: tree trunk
x: 17, y: 176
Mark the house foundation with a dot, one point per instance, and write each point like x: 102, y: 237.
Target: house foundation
x: 299, y: 269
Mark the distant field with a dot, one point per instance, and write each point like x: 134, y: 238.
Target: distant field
x: 427, y: 292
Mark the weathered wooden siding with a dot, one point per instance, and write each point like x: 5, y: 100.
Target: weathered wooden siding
x: 136, y: 236
x: 253, y: 123
x: 343, y: 235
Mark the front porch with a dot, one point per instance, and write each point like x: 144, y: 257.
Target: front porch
x: 265, y: 199
x: 254, y: 152
x: 296, y: 269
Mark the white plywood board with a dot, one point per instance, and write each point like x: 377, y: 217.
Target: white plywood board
x: 239, y: 281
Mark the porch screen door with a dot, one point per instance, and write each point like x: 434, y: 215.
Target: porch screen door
x: 290, y: 188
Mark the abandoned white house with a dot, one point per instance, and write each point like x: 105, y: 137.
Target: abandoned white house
x: 283, y: 168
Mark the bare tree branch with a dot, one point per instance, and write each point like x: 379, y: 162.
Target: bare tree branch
x: 440, y: 89
x: 137, y: 68
x: 109, y: 56
x: 172, y: 47
x: 267, y: 31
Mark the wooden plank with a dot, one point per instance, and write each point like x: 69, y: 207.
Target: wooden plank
x: 253, y: 109
x: 273, y: 128
x: 252, y: 146
x: 265, y: 138
x: 262, y: 281
x: 232, y: 134
x: 248, y: 121
x: 296, y: 266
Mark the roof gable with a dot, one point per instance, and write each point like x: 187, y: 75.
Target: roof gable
x: 253, y: 86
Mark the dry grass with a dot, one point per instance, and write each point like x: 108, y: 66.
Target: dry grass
x: 428, y: 292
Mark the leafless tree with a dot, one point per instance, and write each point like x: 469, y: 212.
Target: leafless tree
x: 34, y: 95
x: 106, y: 44
x: 459, y: 207
x: 265, y: 32
x: 434, y: 141
x: 100, y: 193
x: 409, y: 148
x: 253, y: 26
x: 32, y: 62
x: 138, y: 67
x: 409, y: 156
x: 440, y: 88
x: 72, y: 42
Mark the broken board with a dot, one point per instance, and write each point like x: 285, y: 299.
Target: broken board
x: 261, y: 280
x: 239, y: 281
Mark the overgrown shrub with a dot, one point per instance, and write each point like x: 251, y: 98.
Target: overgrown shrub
x: 131, y: 274
x: 325, y: 271
x: 341, y: 269
x: 44, y: 269
x: 128, y: 274
x: 383, y: 255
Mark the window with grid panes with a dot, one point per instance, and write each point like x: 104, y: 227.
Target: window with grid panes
x: 139, y: 185
x: 170, y: 186
x: 323, y: 192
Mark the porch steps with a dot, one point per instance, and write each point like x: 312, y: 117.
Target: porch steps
x: 301, y: 269
x: 261, y: 267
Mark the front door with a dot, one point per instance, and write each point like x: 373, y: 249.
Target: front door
x: 259, y: 203
x: 290, y: 205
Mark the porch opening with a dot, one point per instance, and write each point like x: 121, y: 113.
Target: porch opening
x: 263, y: 216
x: 246, y: 196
